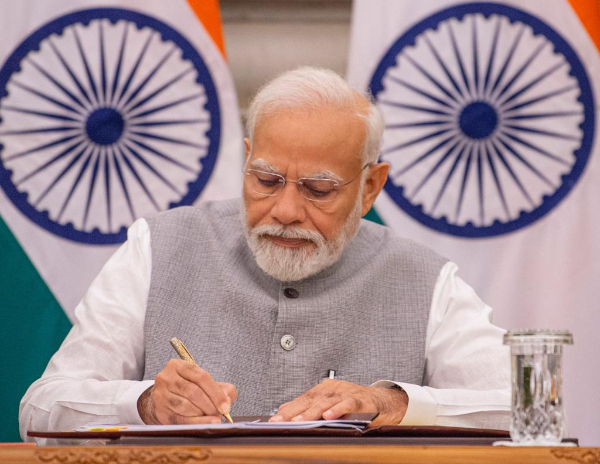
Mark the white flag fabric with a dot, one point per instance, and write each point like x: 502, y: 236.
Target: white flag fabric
x: 109, y: 111
x: 491, y: 132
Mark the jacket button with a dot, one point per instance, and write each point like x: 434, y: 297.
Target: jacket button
x: 288, y: 343
x: 291, y: 293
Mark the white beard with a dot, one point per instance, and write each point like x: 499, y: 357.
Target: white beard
x: 292, y: 264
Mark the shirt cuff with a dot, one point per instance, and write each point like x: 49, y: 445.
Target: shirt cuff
x: 127, y: 403
x: 422, y: 407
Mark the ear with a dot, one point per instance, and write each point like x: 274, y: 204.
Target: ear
x: 373, y: 184
x: 248, y: 145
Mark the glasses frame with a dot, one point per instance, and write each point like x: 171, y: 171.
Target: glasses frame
x: 337, y: 186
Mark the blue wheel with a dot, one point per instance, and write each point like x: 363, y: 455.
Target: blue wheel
x: 489, y: 119
x: 106, y: 115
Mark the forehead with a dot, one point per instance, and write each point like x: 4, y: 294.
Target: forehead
x: 311, y: 141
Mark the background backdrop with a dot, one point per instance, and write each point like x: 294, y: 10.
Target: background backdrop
x: 499, y: 146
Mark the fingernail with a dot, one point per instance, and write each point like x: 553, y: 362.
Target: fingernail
x: 276, y: 419
x: 297, y: 418
x: 327, y: 414
x: 215, y: 421
x: 225, y: 408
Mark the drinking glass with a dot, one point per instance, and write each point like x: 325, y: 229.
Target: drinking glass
x: 538, y: 417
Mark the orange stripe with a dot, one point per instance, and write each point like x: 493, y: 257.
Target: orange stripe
x: 589, y: 14
x: 209, y: 14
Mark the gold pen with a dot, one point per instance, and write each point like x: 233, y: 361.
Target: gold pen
x: 184, y: 354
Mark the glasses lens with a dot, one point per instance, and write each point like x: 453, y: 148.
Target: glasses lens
x: 264, y: 182
x: 318, y: 189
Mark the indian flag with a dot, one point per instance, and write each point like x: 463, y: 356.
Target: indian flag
x: 109, y: 111
x: 491, y: 112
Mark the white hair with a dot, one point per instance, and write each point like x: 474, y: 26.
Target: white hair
x: 315, y: 88
x: 291, y: 265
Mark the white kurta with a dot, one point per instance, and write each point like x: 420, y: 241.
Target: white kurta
x: 95, y: 375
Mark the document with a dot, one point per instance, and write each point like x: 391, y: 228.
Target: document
x: 359, y: 425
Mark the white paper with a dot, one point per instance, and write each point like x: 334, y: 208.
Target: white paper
x: 338, y: 424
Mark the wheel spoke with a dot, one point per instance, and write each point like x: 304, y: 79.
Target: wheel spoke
x: 530, y: 59
x: 60, y: 175
x: 458, y: 58
x: 442, y: 64
x: 509, y: 57
x: 91, y: 186
x: 529, y: 166
x: 166, y: 106
x: 424, y: 156
x: 534, y: 82
x: 463, y: 184
x: 496, y: 179
x: 43, y: 114
x: 47, y: 97
x: 76, y: 182
x: 158, y: 153
x: 119, y: 64
x: 512, y: 173
x: 133, y: 71
x: 72, y: 75
x: 160, y: 90
x: 57, y: 84
x: 48, y: 163
x: 139, y: 179
x: 149, y: 165
x: 149, y: 77
x: 434, y: 169
x: 422, y: 109
x: 86, y: 65
x: 123, y: 182
x: 416, y: 141
x: 418, y: 91
x: 490, y: 64
x: 103, y: 79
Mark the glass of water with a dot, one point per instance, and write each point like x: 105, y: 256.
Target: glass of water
x: 538, y: 417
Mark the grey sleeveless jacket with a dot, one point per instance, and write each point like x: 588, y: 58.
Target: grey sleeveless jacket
x: 364, y: 317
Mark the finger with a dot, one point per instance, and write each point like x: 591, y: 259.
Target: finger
x: 321, y: 404
x: 292, y: 409
x: 168, y: 402
x: 181, y: 387
x: 229, y: 390
x: 347, y: 406
x: 210, y: 387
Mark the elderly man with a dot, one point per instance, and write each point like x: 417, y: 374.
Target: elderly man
x: 288, y: 301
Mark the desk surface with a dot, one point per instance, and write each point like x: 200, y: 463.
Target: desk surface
x: 298, y: 454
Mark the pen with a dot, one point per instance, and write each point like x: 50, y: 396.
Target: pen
x: 184, y: 354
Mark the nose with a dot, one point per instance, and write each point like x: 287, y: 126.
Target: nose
x: 290, y: 206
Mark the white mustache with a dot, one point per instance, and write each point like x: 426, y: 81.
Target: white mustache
x: 293, y: 232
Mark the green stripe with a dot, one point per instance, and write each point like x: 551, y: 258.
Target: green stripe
x: 373, y: 216
x: 33, y: 326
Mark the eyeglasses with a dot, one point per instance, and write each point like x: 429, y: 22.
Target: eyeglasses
x: 317, y: 190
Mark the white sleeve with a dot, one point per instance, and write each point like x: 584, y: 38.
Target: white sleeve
x: 467, y: 372
x: 84, y: 381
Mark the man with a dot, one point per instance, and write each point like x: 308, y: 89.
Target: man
x: 277, y: 295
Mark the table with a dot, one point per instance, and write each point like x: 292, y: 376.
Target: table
x: 318, y: 454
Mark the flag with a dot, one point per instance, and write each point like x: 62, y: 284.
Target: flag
x: 109, y: 111
x: 491, y: 113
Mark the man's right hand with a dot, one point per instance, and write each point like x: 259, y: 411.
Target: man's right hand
x: 184, y: 393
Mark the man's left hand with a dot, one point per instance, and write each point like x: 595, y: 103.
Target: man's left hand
x: 332, y: 399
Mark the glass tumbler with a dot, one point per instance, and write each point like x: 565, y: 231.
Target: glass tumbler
x: 537, y: 409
